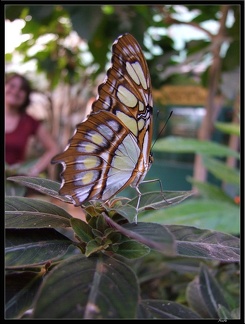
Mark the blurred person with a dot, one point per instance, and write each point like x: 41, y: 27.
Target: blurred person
x: 20, y: 127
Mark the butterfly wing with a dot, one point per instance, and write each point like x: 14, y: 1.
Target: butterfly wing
x: 127, y: 88
x: 110, y: 150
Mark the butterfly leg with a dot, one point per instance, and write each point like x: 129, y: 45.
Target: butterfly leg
x: 138, y: 203
x: 161, y: 187
x: 160, y: 184
x: 140, y: 194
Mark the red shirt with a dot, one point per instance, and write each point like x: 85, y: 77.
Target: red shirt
x: 16, y: 141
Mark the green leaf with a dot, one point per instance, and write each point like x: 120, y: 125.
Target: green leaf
x: 127, y: 211
x: 20, y: 289
x: 13, y: 189
x: 205, y: 296
x: 132, y: 249
x: 85, y: 22
x: 196, y: 243
x: 159, y: 200
x: 232, y: 58
x: 45, y: 186
x: 190, y: 145
x: 203, y: 213
x: 221, y: 171
x: 211, y: 292
x: 156, y: 309
x: 101, y: 224
x: 94, y: 246
x: 107, y: 9
x: 112, y: 292
x: 13, y: 12
x: 208, y: 297
x: 82, y: 229
x: 153, y: 235
x: 149, y: 200
x: 210, y: 191
x: 25, y: 247
x: 22, y: 212
x: 195, y: 300
x: 228, y: 128
x: 8, y: 57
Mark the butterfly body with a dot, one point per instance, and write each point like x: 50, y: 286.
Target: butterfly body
x: 110, y: 150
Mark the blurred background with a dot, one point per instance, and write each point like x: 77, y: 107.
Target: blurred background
x: 193, y: 54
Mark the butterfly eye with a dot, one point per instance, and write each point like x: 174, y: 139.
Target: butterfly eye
x: 111, y: 148
x: 151, y: 159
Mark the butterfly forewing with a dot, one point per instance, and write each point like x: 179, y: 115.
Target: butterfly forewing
x: 110, y: 150
x: 127, y: 88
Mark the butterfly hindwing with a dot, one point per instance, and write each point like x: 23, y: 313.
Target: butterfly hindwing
x: 110, y: 150
x: 99, y: 160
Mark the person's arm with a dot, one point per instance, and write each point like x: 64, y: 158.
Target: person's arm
x: 50, y: 147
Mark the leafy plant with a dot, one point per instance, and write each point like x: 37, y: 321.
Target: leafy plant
x: 108, y: 267
x: 214, y: 208
x: 13, y: 188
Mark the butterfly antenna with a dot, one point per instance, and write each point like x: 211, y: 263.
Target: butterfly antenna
x: 159, y: 134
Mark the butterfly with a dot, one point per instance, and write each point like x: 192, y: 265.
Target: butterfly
x: 111, y: 149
